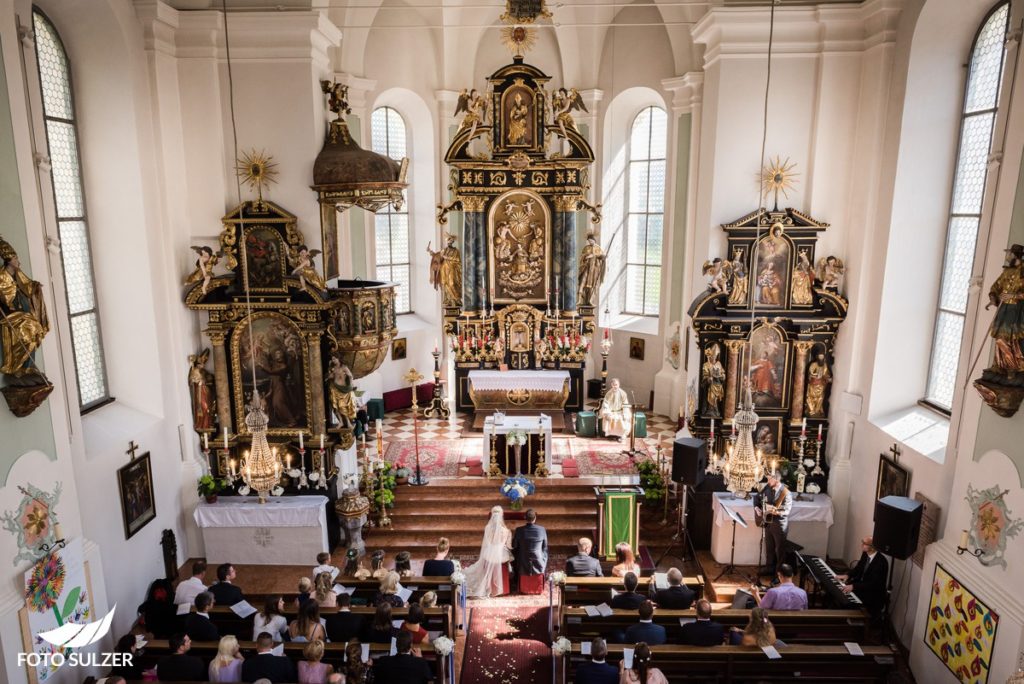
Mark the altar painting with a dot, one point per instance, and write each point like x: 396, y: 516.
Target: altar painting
x: 264, y: 258
x: 961, y: 630
x: 277, y: 353
x: 771, y: 269
x: 768, y: 367
x: 519, y: 247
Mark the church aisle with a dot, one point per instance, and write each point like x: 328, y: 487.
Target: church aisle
x: 507, y: 642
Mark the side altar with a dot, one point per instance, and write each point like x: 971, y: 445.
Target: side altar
x: 518, y: 293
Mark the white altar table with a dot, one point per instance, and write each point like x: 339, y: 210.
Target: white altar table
x: 285, y: 530
x: 529, y: 424
x: 808, y: 526
x: 550, y: 380
x: 540, y: 390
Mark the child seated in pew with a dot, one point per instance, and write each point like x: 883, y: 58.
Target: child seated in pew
x: 323, y: 591
x: 642, y: 672
x: 271, y: 619
x: 428, y: 600
x: 305, y: 591
x: 323, y: 564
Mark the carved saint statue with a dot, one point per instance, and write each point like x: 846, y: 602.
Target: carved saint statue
x: 475, y: 106
x: 1007, y: 295
x: 200, y: 386
x: 592, y: 268
x: 713, y: 375
x: 739, y: 278
x: 305, y: 269
x: 342, y: 392
x: 205, y: 262
x: 803, y: 279
x: 769, y: 285
x: 446, y: 272
x: 23, y: 319
x: 830, y: 271
x: 517, y: 121
x: 818, y: 379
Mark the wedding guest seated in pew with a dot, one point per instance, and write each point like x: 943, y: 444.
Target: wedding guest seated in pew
x: 356, y: 671
x: 305, y: 592
x: 583, y: 564
x: 323, y: 564
x: 642, y: 671
x: 377, y: 569
x: 307, y: 627
x: 266, y: 665
x: 440, y: 565
x: 198, y: 625
x: 271, y: 619
x: 179, y: 666
x: 428, y: 600
x: 226, y: 666
x: 677, y: 596
x: 646, y: 630
x: 159, y: 615
x: 187, y: 590
x: 596, y: 670
x: 784, y: 596
x: 224, y: 592
x: 628, y: 599
x: 323, y: 591
x: 703, y: 631
x: 403, y: 564
x: 404, y: 667
x: 413, y: 624
x: 311, y: 670
x: 351, y: 563
x: 126, y: 645
x: 381, y: 629
x: 389, y: 591
x: 626, y: 561
x: 344, y: 625
x: 759, y: 632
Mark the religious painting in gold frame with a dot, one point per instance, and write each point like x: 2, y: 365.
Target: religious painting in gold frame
x: 772, y: 269
x: 519, y: 248
x: 769, y: 366
x: 768, y: 437
x: 265, y: 259
x: 519, y: 116
x: 280, y: 356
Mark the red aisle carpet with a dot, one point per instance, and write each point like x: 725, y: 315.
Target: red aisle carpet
x: 507, y: 645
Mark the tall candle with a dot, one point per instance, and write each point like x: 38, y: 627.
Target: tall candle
x: 965, y: 539
x: 225, y: 437
x: 301, y: 444
x: 435, y: 344
x: 712, y: 428
x: 321, y: 441
x: 206, y: 441
x: 819, y: 433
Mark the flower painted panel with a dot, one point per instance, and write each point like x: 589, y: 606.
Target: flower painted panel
x: 961, y: 630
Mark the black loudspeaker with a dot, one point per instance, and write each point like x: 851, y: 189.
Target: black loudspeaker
x: 897, y: 526
x: 689, y: 459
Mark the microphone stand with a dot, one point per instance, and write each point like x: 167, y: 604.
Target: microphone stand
x: 632, y: 452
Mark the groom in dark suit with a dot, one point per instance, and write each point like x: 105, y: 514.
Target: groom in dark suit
x: 530, y: 550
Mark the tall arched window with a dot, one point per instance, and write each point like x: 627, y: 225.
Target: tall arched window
x: 981, y: 102
x: 645, y: 202
x: 69, y: 201
x: 391, y: 235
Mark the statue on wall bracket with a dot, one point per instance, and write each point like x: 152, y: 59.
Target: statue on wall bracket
x: 23, y: 325
x: 1001, y: 385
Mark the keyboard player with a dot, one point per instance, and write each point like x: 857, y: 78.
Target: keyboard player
x: 867, y: 579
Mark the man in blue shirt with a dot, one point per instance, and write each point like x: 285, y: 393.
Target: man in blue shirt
x: 785, y: 596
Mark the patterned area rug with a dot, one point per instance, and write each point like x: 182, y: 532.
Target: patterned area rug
x: 600, y: 457
x: 438, y: 457
x: 507, y: 644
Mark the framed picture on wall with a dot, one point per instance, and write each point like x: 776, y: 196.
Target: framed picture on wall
x: 893, y: 479
x: 398, y: 348
x: 636, y: 348
x: 135, y: 484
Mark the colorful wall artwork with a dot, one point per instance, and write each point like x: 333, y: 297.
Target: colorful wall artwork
x: 57, y: 593
x: 32, y: 522
x: 991, y: 524
x: 961, y: 630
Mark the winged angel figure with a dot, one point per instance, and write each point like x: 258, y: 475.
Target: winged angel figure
x: 205, y: 262
x: 830, y: 270
x: 720, y: 272
x: 305, y: 269
x: 474, y: 104
x: 563, y: 103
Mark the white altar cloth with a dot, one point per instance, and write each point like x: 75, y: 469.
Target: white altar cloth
x: 528, y: 424
x: 238, y: 529
x: 808, y: 526
x: 534, y: 380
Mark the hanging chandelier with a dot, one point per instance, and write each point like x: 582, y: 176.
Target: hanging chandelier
x: 261, y: 468
x: 744, y: 466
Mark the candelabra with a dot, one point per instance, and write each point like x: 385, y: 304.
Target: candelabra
x: 743, y: 466
x: 438, y: 407
x: 413, y: 377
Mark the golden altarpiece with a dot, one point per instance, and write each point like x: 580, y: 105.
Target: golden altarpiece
x: 772, y: 269
x: 520, y: 173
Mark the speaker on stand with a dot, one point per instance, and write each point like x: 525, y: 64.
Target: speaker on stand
x: 689, y: 459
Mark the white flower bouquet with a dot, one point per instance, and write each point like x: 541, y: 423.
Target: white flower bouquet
x: 813, y: 488
x: 458, y: 578
x: 561, y: 646
x: 558, y: 577
x: 809, y: 462
x: 516, y: 437
x: 443, y: 645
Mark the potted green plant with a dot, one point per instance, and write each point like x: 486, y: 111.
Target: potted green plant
x: 651, y: 479
x: 208, y: 486
x: 402, y: 475
x: 384, y: 488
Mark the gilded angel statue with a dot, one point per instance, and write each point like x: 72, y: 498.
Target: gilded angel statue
x: 563, y: 103
x: 305, y: 269
x: 337, y: 100
x: 474, y: 105
x: 720, y: 271
x: 830, y: 270
x: 205, y: 262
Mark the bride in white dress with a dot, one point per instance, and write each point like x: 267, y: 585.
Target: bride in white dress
x: 484, y: 577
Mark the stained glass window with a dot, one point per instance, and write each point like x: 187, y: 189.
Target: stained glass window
x: 69, y: 201
x: 391, y: 228
x: 645, y: 207
x: 981, y: 102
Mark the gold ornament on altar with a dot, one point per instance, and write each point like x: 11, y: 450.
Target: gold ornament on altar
x: 778, y: 177
x: 518, y: 39
x: 257, y: 170
x: 446, y: 272
x: 563, y: 103
x: 519, y: 247
x: 23, y: 325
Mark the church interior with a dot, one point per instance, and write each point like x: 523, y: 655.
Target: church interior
x: 477, y: 321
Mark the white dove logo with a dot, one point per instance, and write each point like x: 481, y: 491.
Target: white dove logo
x: 77, y: 636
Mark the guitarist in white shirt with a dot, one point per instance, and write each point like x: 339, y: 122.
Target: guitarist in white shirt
x: 777, y: 503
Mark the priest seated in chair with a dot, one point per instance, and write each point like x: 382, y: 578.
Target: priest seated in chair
x: 616, y: 414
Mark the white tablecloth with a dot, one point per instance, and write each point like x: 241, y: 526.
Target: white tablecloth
x: 240, y: 530
x: 808, y: 526
x: 279, y: 511
x: 529, y: 424
x: 551, y: 380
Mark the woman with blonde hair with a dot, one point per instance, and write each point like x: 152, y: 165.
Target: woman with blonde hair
x: 323, y: 591
x: 226, y: 666
x: 305, y: 591
x: 389, y: 591
x: 311, y: 670
x: 356, y: 671
x: 641, y: 672
x: 759, y: 632
x: 428, y: 600
x: 626, y: 561
x: 307, y: 627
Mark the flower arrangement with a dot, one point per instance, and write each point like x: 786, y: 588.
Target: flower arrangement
x: 561, y: 646
x: 443, y: 645
x: 813, y: 488
x: 558, y: 577
x: 207, y: 487
x: 516, y: 437
x: 566, y: 346
x: 516, y: 489
x: 809, y: 462
x: 458, y: 578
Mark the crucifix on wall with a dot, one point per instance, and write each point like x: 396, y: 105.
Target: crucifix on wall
x: 132, y: 448
x: 896, y: 452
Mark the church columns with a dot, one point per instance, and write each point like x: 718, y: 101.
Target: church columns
x: 316, y: 374
x: 474, y: 256
x: 796, y: 412
x: 732, y: 378
x: 564, y: 258
x: 220, y: 377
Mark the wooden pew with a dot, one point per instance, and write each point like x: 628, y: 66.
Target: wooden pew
x: 227, y: 622
x: 593, y: 591
x: 792, y: 626
x: 727, y: 664
x: 366, y: 589
x: 333, y: 653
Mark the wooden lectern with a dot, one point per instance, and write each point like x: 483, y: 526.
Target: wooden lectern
x: 619, y: 515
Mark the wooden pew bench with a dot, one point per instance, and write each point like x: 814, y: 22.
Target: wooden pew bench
x: 727, y: 664
x: 792, y: 626
x: 592, y: 591
x: 366, y: 589
x: 438, y: 619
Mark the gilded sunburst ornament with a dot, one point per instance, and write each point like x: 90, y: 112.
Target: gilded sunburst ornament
x: 518, y: 39
x: 257, y: 170
x: 778, y: 177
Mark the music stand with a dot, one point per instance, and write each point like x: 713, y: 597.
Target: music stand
x: 736, y: 518
x: 632, y: 452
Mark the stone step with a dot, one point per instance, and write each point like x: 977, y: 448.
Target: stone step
x: 428, y: 521
x: 399, y: 539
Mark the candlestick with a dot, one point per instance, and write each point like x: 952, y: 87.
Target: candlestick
x: 321, y: 441
x: 819, y: 433
x: 206, y: 441
x: 435, y: 344
x: 773, y: 465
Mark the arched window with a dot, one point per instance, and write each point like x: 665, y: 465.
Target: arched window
x: 981, y: 102
x: 391, y: 234
x: 645, y: 202
x: 69, y: 202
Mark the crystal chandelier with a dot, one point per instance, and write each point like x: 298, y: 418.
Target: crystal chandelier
x: 744, y: 466
x: 261, y: 468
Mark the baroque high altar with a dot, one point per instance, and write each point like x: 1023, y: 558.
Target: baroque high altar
x: 514, y: 295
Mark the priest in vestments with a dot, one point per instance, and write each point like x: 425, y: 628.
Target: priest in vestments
x: 530, y: 550
x: 616, y: 414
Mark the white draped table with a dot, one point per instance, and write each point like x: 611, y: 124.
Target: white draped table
x: 550, y: 380
x: 531, y: 425
x: 519, y: 389
x: 808, y: 526
x: 285, y: 530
